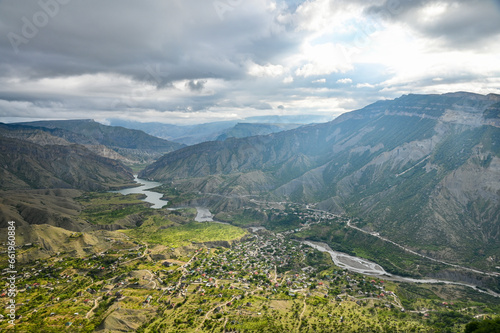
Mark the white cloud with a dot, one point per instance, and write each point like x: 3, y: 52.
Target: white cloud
x: 323, y: 59
x: 319, y: 81
x: 365, y: 85
x: 433, y: 11
x: 344, y: 81
x: 268, y: 70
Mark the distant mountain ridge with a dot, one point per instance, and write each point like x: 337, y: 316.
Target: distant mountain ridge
x: 243, y: 130
x: 128, y: 144
x: 423, y: 168
x: 221, y: 130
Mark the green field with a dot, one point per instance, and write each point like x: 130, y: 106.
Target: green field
x: 108, y: 208
x: 158, y: 231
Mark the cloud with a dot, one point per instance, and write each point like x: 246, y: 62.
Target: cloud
x: 453, y: 23
x: 267, y: 70
x: 127, y: 37
x: 365, y: 85
x: 188, y: 61
x: 324, y: 59
x: 344, y: 81
x: 196, y: 85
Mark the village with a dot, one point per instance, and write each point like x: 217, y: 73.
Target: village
x: 265, y: 274
x: 266, y: 277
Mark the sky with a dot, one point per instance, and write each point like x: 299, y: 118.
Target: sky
x: 194, y: 61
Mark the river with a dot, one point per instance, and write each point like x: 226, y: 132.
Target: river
x: 345, y: 261
x: 203, y: 215
x: 366, y: 267
x: 152, y: 197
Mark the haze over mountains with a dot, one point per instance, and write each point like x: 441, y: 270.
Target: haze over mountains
x: 193, y: 134
x: 421, y: 169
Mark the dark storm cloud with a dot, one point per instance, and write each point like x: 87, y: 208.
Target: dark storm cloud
x: 462, y: 24
x: 196, y: 85
x: 185, y: 39
x: 227, y: 58
x: 152, y: 42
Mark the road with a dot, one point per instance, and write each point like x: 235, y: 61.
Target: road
x: 419, y: 254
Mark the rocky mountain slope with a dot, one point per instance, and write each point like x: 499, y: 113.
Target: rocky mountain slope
x: 243, y: 130
x: 422, y: 169
x: 26, y: 165
x: 109, y: 141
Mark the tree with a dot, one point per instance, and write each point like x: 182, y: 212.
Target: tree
x: 485, y: 326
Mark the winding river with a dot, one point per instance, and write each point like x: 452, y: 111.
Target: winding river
x: 203, y: 214
x: 151, y: 197
x: 366, y: 267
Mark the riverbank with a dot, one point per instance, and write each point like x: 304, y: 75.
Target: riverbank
x: 153, y: 198
x: 366, y: 267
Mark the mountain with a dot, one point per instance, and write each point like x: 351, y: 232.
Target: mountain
x: 185, y: 134
x: 423, y: 170
x: 127, y: 144
x: 194, y: 134
x: 26, y: 165
x: 243, y: 130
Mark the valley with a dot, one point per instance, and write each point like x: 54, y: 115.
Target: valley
x: 228, y: 166
x: 420, y: 170
x: 253, y: 281
x: 382, y: 220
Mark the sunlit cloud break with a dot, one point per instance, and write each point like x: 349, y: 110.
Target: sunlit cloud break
x: 158, y: 60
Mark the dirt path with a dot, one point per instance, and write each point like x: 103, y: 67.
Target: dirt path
x: 302, y: 314
x: 184, y: 272
x: 211, y: 311
x: 151, y: 279
x: 91, y: 311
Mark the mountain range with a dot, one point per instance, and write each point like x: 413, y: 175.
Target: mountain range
x: 128, y: 145
x: 423, y: 170
x: 221, y: 130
